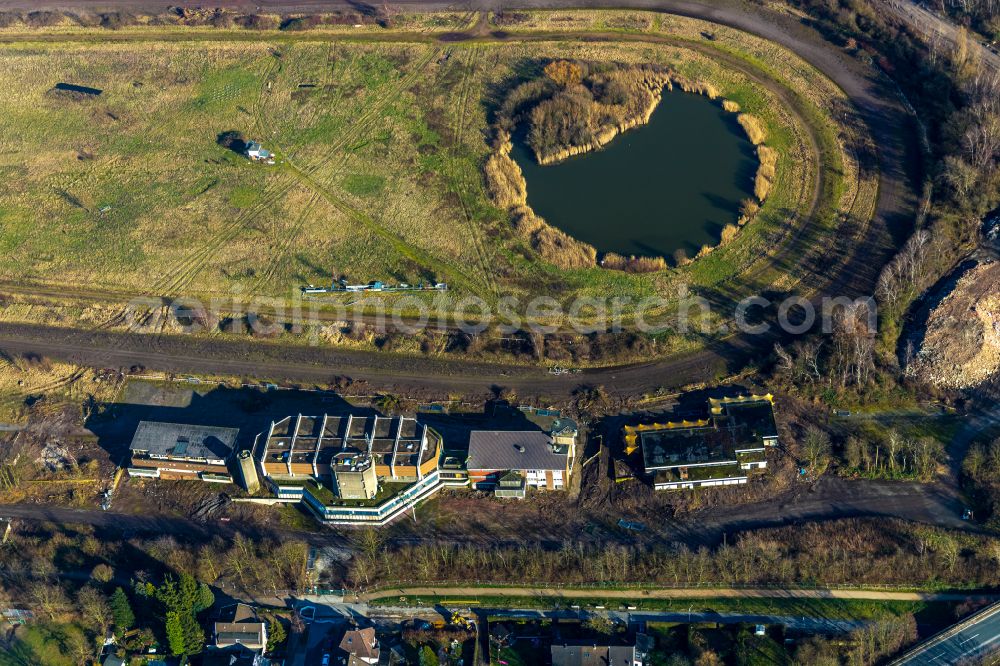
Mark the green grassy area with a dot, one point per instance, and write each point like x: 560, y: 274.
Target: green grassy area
x: 380, y: 147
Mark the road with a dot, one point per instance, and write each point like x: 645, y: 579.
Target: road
x: 397, y: 613
x: 965, y: 643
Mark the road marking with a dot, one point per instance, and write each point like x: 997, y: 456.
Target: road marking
x: 971, y: 638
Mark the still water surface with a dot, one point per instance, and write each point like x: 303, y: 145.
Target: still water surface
x: 670, y: 184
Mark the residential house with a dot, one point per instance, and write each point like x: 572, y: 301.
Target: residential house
x: 521, y: 459
x: 238, y: 627
x: 717, y: 450
x: 180, y: 451
x: 358, y: 647
x: 593, y: 653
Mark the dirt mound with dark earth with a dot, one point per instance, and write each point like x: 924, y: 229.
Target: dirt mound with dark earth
x: 961, y: 346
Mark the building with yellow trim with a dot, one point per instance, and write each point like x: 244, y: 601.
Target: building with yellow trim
x: 718, y: 450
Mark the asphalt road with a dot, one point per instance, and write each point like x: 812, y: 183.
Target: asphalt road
x: 966, y: 642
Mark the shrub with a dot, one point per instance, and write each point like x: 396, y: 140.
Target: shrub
x: 753, y: 127
x: 301, y: 23
x: 564, y: 73
x: 117, y: 20
x: 507, y: 18
x: 748, y: 209
x: 730, y: 105
x: 8, y: 19
x: 561, y: 249
x: 43, y: 19
x: 504, y: 180
x: 257, y: 22
x: 761, y: 186
x: 767, y: 155
x: 102, y: 573
x: 221, y: 20
x: 729, y: 232
x: 633, y: 264
x: 233, y: 140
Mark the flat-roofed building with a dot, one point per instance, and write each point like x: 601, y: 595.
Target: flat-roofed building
x: 327, y: 447
x: 718, y: 450
x: 354, y: 473
x: 181, y: 451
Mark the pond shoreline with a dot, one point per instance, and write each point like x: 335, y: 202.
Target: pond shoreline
x: 508, y: 186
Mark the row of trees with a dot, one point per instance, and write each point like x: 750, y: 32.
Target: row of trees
x: 847, y: 551
x: 893, y: 456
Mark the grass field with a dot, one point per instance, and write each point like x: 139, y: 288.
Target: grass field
x: 380, y: 146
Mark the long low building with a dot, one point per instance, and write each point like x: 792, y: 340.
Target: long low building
x: 182, y: 451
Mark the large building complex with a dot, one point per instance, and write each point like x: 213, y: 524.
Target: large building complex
x: 717, y: 450
x: 348, y: 468
x: 399, y: 448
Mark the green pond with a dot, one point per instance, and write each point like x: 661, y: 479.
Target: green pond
x: 671, y: 184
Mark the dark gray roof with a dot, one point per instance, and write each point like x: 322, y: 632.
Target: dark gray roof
x: 517, y: 449
x: 591, y: 654
x: 178, y: 440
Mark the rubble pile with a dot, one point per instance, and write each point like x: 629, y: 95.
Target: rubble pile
x: 961, y: 346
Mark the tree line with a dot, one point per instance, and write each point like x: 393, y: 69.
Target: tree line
x: 854, y: 551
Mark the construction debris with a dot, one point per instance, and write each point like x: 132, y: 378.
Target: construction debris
x: 961, y: 345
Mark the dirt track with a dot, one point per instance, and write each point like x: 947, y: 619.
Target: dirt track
x: 321, y: 365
